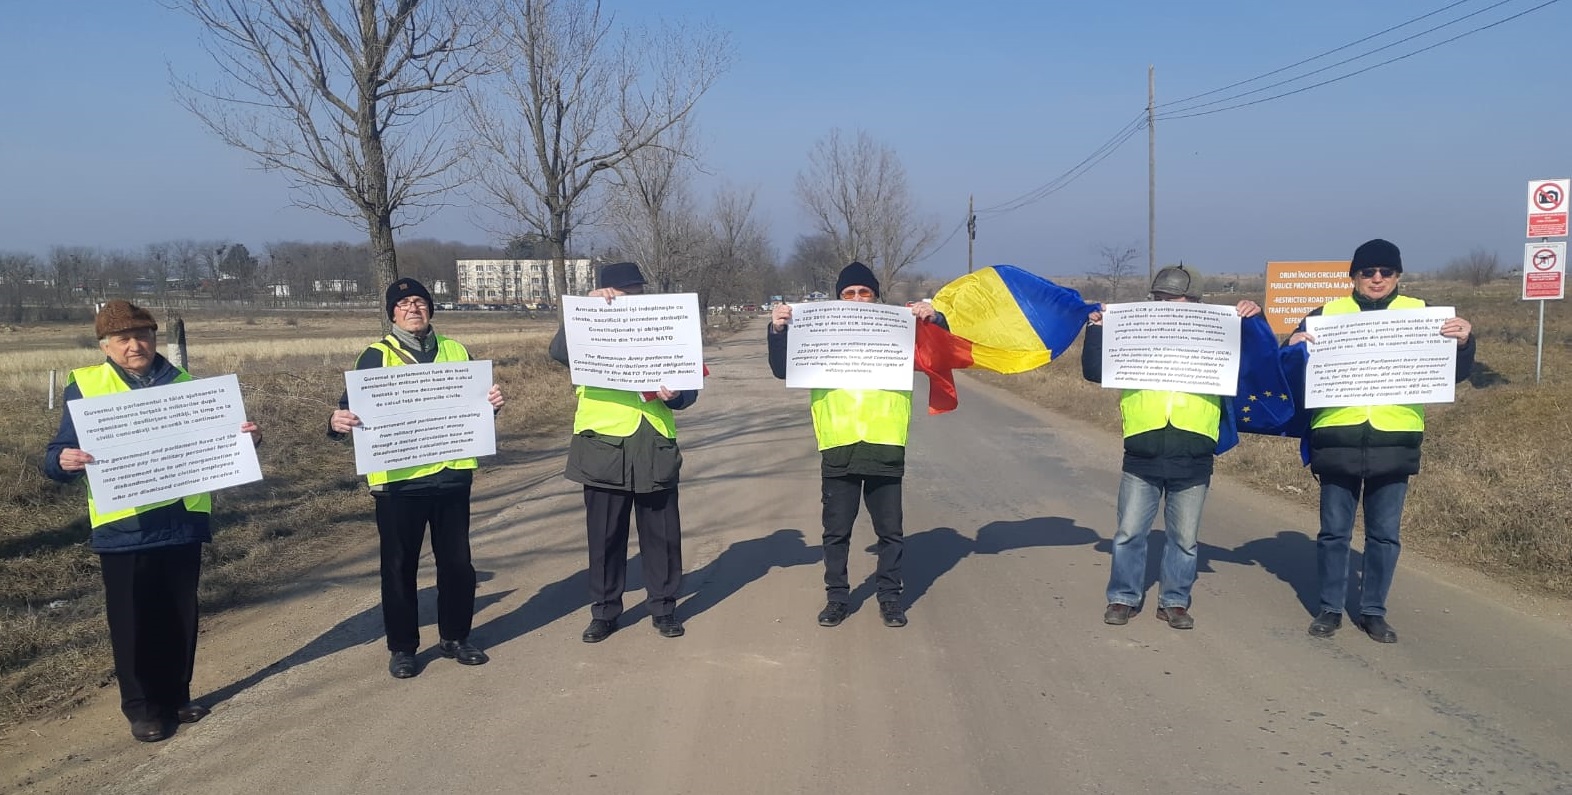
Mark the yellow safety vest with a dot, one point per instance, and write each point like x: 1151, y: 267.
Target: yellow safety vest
x: 103, y: 380
x: 1145, y: 410
x: 447, y: 351
x: 618, y: 412
x: 848, y: 416
x: 1397, y: 417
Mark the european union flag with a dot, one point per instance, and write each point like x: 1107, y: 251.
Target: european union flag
x: 1266, y: 401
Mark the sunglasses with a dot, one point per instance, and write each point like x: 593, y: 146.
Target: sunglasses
x: 856, y: 292
x: 1370, y: 273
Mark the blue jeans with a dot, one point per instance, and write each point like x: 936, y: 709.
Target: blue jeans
x: 1138, y: 497
x: 1383, y: 499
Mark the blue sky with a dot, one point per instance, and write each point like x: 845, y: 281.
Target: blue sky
x: 995, y: 99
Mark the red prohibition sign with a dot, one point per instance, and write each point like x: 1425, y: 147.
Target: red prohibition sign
x: 1547, y: 197
x: 1544, y: 259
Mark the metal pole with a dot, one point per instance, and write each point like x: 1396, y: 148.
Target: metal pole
x: 1151, y: 175
x: 971, y: 230
x: 52, y: 387
x: 1539, y: 351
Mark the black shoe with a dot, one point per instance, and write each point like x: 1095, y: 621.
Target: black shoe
x: 1177, y: 617
x: 668, y: 626
x: 833, y: 614
x: 149, y: 731
x: 1377, y: 628
x: 1326, y: 624
x: 191, y: 712
x: 893, y: 614
x: 599, y: 629
x: 402, y: 665
x: 1118, y: 614
x: 462, y: 650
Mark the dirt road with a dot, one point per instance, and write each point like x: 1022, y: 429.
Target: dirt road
x: 1006, y: 681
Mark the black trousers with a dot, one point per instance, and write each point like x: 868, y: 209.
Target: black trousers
x: 883, y: 496
x: 150, y: 599
x: 606, y: 514
x: 401, y: 522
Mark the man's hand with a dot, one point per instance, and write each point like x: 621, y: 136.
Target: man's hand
x: 74, y: 460
x: 780, y: 317
x: 607, y: 293
x: 1096, y: 316
x: 923, y: 311
x: 1300, y: 336
x: 494, y: 397
x: 256, y: 433
x: 343, y: 420
x: 1248, y: 309
x: 1457, y: 328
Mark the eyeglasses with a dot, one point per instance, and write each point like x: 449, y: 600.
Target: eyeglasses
x: 411, y: 305
x: 856, y: 292
x: 1370, y: 273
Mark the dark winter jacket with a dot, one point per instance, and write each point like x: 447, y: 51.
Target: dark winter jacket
x: 1168, y: 452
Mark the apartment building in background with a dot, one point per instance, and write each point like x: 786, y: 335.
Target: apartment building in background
x: 519, y: 281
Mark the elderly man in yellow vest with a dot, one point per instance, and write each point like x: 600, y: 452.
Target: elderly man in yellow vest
x: 862, y: 447
x: 1367, y: 451
x: 411, y: 498
x: 624, y: 452
x: 1170, y: 444
x: 150, y: 555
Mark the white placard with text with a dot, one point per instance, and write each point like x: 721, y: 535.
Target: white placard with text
x: 1171, y: 345
x: 164, y: 442
x: 418, y: 414
x: 1380, y: 358
x: 637, y: 343
x: 850, y: 345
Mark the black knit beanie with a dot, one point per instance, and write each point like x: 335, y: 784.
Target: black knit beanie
x: 405, y: 288
x: 1376, y: 253
x: 856, y: 275
x: 619, y: 275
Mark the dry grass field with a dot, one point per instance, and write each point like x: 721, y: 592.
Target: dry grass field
x: 1492, y: 492
x: 53, y: 642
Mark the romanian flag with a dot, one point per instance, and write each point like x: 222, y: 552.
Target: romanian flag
x: 1000, y: 318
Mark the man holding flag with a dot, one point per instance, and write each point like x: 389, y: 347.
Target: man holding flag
x: 1171, y: 440
x: 862, y: 443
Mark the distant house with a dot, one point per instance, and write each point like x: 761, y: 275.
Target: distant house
x: 278, y: 290
x: 341, y: 286
x: 439, y: 287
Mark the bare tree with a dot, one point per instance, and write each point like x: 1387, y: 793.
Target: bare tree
x: 813, y: 263
x: 1480, y: 267
x: 1115, y: 265
x: 338, y: 96
x: 652, y: 210
x: 736, y: 256
x: 573, y: 100
x: 17, y: 270
x: 857, y: 195
x: 75, y: 269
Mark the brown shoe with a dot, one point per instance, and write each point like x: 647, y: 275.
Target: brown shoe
x: 1177, y: 617
x: 1118, y: 614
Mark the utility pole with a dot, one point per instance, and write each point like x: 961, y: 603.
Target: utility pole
x: 971, y: 229
x: 1151, y: 176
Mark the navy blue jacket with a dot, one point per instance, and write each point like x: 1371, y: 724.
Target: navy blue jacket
x: 170, y: 525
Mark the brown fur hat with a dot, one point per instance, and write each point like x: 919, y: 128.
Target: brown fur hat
x: 119, y: 316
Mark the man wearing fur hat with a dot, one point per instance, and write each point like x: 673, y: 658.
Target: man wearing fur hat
x: 1367, y: 452
x: 411, y: 498
x: 624, y: 452
x: 151, y: 555
x: 1170, y: 445
x: 862, y: 446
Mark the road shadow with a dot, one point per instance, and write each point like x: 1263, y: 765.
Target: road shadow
x: 359, y: 629
x: 931, y: 554
x: 742, y: 563
x: 1289, y: 555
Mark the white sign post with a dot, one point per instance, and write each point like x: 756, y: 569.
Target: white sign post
x: 164, y: 442
x: 421, y: 414
x: 850, y: 345
x: 1172, y: 346
x: 1382, y: 357
x: 636, y: 343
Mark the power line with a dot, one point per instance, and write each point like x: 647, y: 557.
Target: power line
x: 1334, y: 50
x: 1361, y: 71
x: 1056, y: 184
x: 1173, y: 112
